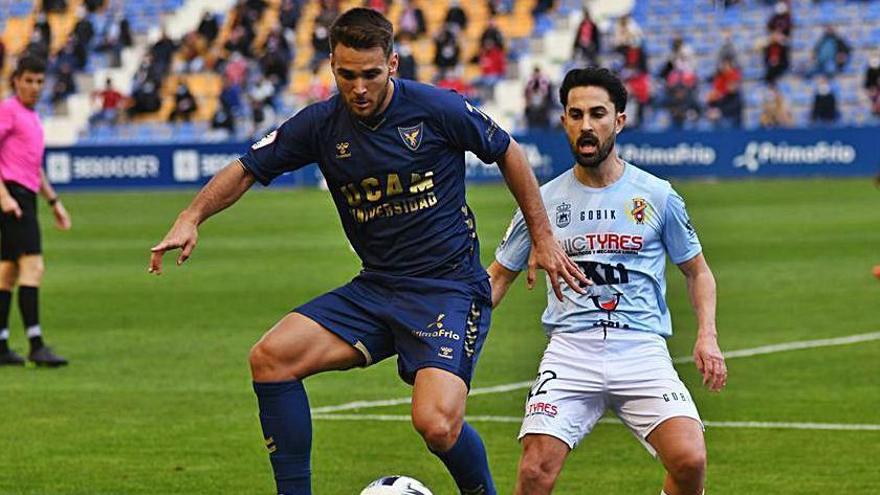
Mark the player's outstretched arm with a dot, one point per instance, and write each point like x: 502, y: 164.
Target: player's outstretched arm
x: 546, y: 252
x: 223, y: 190
x: 500, y: 278
x: 707, y: 353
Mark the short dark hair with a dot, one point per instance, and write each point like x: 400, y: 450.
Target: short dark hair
x: 361, y: 28
x: 29, y: 63
x: 594, y: 76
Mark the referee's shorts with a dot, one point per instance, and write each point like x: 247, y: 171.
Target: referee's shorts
x: 20, y: 236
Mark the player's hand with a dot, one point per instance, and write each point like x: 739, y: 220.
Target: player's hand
x: 549, y: 255
x: 62, y: 218
x: 183, y: 235
x: 10, y: 206
x: 710, y: 362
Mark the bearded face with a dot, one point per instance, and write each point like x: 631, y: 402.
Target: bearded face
x: 591, y: 123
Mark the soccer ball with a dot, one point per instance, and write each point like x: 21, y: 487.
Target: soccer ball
x: 396, y: 485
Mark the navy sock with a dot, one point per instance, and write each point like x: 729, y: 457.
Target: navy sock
x: 468, y: 464
x: 287, y: 429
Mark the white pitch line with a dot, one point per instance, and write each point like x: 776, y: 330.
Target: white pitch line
x: 714, y: 424
x: 754, y: 351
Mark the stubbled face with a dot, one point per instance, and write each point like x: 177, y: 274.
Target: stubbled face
x: 591, y: 123
x: 28, y: 86
x: 363, y: 78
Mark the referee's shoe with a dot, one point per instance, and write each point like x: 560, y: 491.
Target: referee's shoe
x: 11, y: 358
x: 45, y: 357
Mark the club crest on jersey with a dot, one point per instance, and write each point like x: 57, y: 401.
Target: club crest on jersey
x: 641, y: 211
x: 267, y: 140
x: 412, y: 136
x: 342, y: 149
x: 563, y: 215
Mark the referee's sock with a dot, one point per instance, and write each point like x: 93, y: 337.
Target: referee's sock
x: 5, y: 301
x: 28, y: 301
x: 468, y: 464
x: 287, y: 428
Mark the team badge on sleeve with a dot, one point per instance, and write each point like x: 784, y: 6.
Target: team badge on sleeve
x: 412, y: 136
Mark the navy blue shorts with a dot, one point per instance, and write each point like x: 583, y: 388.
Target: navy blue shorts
x: 428, y: 323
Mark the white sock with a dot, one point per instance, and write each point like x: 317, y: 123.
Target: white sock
x: 4, y: 334
x: 34, y: 331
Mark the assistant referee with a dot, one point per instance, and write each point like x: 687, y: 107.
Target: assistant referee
x: 21, y: 259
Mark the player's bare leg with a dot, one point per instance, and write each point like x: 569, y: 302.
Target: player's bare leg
x: 295, y: 348
x: 541, y: 462
x: 30, y: 270
x: 680, y: 446
x: 298, y: 347
x: 438, y: 405
x: 8, y: 275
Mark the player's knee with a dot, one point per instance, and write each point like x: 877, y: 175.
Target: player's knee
x: 536, y: 472
x: 439, y: 431
x: 266, y: 363
x: 689, y: 465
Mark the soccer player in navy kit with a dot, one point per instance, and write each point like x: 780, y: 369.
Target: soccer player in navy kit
x: 392, y: 153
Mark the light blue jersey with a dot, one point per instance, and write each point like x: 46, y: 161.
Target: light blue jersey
x: 619, y: 235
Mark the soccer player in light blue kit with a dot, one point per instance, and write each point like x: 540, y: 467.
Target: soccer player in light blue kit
x: 607, y: 348
x: 392, y: 153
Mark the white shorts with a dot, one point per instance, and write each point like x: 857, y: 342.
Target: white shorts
x: 582, y: 374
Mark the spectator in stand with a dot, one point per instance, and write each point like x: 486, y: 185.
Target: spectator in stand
x: 542, y: 7
x: 725, y: 100
x: 407, y: 67
x: 493, y: 34
x: 239, y: 41
x: 776, y: 59
x: 447, y: 52
x: 378, y: 5
x: 209, y: 27
x: 57, y: 6
x: 493, y: 67
x: 236, y: 69
x: 411, y: 20
x: 456, y: 15
x: 872, y: 82
x: 831, y: 53
x: 37, y: 46
x: 41, y: 25
x: 224, y: 122
x: 321, y: 44
x: 775, y: 111
x: 275, y: 64
x: 162, y: 52
x: 94, y: 5
x: 539, y: 96
x: 635, y: 76
x: 728, y: 51
x: 681, y: 59
x: 451, y: 79
x: 781, y: 20
x: 63, y: 87
x: 275, y: 40
x: 263, y: 91
x: 145, y: 98
x: 184, y: 103
x: 112, y: 38
x: 318, y: 90
x: 289, y: 14
x: 627, y: 34
x: 111, y: 102
x: 587, y: 42
x: 230, y: 97
x: 824, y: 103
x: 2, y: 55
x: 83, y: 31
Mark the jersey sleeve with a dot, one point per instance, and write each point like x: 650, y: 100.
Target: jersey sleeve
x: 469, y: 129
x: 513, y: 251
x: 291, y: 146
x: 679, y: 236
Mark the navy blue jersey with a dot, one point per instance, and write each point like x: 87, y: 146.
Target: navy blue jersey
x: 398, y: 184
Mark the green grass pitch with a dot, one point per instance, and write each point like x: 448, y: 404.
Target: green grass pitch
x: 157, y: 399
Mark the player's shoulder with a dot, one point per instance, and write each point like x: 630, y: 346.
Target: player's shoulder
x: 557, y: 185
x: 324, y: 109
x: 9, y: 103
x: 646, y: 181
x: 429, y: 97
